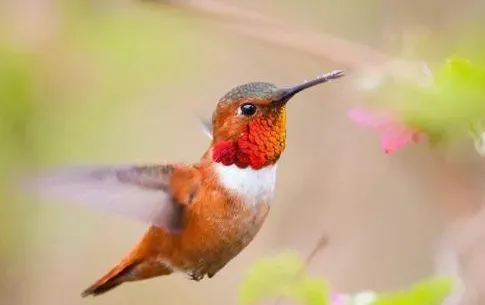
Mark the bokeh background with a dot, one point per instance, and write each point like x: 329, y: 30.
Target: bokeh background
x: 123, y: 81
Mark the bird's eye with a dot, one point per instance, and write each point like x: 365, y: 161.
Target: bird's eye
x: 247, y: 109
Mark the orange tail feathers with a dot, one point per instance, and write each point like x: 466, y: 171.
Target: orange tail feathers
x: 115, y: 277
x: 140, y: 264
x: 129, y: 270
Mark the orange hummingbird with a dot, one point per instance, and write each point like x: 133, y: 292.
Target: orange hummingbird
x: 201, y: 215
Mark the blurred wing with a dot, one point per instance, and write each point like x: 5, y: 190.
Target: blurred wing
x: 140, y: 192
x: 206, y: 127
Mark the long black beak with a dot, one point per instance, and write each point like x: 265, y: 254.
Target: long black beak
x: 285, y: 94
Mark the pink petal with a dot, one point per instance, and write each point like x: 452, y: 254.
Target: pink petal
x: 419, y: 137
x: 339, y: 299
x: 394, y: 135
x: 368, y: 118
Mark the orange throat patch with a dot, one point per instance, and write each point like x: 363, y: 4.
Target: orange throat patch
x: 260, y: 144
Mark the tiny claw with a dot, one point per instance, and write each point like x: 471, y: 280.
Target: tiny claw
x: 196, y: 276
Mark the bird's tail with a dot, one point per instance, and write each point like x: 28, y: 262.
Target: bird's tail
x: 132, y: 268
x: 140, y: 264
x: 123, y: 272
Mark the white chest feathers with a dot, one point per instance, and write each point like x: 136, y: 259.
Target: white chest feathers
x: 254, y: 186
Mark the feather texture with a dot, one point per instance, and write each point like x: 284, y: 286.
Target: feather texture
x: 139, y: 192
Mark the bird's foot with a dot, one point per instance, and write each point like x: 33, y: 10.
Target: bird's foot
x: 196, y: 276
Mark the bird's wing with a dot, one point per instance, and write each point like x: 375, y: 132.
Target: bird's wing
x: 206, y: 127
x: 143, y: 192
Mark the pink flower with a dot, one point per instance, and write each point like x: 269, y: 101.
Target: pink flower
x: 394, y: 135
x: 340, y: 299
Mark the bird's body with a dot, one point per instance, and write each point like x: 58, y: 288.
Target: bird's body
x: 222, y: 218
x: 204, y: 214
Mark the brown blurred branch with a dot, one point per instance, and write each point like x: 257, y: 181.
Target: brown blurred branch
x: 319, y: 245
x: 274, y: 31
x: 345, y: 54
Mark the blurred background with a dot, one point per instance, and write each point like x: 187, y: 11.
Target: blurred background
x: 122, y: 81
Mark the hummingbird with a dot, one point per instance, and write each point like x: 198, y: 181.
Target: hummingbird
x: 200, y: 215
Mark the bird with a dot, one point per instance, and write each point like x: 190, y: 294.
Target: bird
x: 201, y: 215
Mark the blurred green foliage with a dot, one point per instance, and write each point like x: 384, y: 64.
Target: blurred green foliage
x: 62, y: 95
x: 428, y: 292
x: 17, y: 92
x: 454, y: 104
x: 449, y: 109
x: 107, y: 61
x: 285, y: 276
x: 128, y: 51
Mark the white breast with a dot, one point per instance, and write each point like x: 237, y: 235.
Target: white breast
x: 253, y: 185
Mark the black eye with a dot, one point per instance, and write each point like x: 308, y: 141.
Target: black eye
x: 247, y: 109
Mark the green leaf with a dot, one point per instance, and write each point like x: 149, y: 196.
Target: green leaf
x: 309, y: 291
x: 429, y: 292
x: 268, y: 277
x: 282, y: 276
